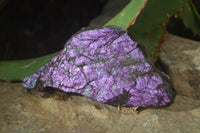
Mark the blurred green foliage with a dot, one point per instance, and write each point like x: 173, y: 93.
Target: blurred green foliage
x: 149, y: 26
x: 151, y: 23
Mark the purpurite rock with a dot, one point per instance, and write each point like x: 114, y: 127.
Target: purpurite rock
x: 106, y: 65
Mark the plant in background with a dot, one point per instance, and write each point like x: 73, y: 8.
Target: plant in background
x: 145, y: 20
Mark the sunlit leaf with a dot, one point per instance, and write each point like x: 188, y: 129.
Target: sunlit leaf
x: 17, y: 70
x: 128, y: 15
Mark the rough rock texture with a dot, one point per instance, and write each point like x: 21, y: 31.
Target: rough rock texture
x: 21, y: 112
x: 106, y: 65
x: 181, y: 60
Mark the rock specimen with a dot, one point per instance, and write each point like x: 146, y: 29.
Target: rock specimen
x: 106, y: 65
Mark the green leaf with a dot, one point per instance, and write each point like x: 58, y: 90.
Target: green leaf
x: 151, y: 41
x: 150, y: 25
x: 191, y: 18
x: 128, y: 15
x: 19, y: 69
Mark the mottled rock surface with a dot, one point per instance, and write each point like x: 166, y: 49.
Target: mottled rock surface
x: 181, y: 60
x: 30, y: 113
x: 106, y: 65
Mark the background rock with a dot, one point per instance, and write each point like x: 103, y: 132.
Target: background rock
x: 181, y: 60
x: 21, y: 112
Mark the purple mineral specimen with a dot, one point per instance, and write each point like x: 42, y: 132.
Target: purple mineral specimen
x: 106, y: 65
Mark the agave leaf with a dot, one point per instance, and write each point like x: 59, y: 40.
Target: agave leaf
x: 150, y: 25
x: 151, y: 41
x: 17, y: 70
x: 128, y: 15
x: 191, y: 18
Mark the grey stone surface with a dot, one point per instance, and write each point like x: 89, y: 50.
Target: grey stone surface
x: 180, y: 58
x: 22, y: 112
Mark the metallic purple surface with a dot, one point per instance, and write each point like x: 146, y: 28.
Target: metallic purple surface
x: 105, y: 65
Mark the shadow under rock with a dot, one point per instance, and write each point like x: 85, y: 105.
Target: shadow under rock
x: 180, y: 104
